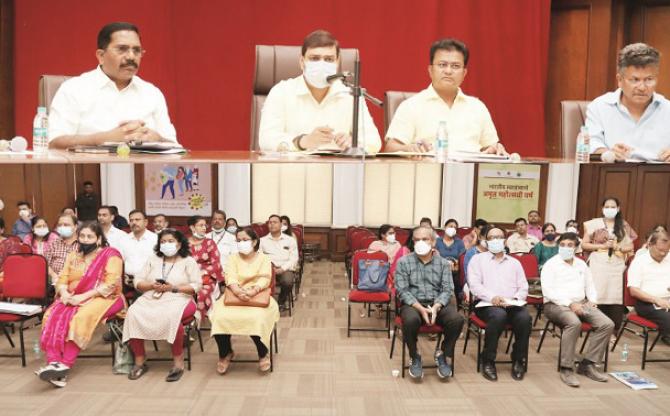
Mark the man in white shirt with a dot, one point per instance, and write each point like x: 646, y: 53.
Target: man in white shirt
x: 225, y: 241
x: 115, y: 237
x: 110, y: 103
x: 521, y: 241
x: 308, y: 112
x: 649, y: 282
x: 283, y: 252
x: 139, y: 244
x: 570, y: 298
x: 160, y: 223
x: 469, y: 124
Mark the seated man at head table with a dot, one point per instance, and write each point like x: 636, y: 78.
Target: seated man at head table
x: 110, y: 103
x: 308, y: 112
x: 632, y: 122
x: 469, y: 124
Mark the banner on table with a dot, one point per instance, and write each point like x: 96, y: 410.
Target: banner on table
x: 507, y: 191
x: 182, y: 189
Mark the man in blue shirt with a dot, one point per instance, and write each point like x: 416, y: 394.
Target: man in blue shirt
x: 22, y: 227
x: 632, y: 121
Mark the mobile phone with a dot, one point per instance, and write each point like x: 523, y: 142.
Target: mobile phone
x: 161, y: 281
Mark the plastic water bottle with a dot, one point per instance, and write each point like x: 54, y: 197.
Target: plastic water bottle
x: 583, y: 148
x: 40, y: 131
x: 442, y: 143
x: 624, y: 353
x: 36, y: 349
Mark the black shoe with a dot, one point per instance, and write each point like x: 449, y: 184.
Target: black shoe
x: 518, y: 370
x: 107, y: 337
x: 174, y: 374
x: 489, y: 371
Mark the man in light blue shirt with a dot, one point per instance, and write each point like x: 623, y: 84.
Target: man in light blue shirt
x: 633, y: 121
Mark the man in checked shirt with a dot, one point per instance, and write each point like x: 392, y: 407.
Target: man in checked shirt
x: 425, y: 287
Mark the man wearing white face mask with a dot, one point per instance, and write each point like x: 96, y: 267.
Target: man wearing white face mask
x: 22, y: 227
x: 499, y: 282
x: 307, y: 112
x: 425, y: 288
x: 59, y: 249
x: 570, y: 298
x: 225, y: 241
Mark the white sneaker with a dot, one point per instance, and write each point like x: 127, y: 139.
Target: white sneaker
x: 52, y: 371
x: 59, y: 382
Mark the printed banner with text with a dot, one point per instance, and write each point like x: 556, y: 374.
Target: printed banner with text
x: 507, y: 191
x: 178, y: 190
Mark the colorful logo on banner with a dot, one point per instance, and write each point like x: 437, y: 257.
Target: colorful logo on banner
x: 507, y: 191
x: 178, y: 190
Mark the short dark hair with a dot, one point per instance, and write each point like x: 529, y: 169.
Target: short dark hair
x: 193, y: 220
x: 108, y: 208
x: 480, y: 222
x: 220, y: 211
x: 70, y: 216
x: 383, y: 229
x: 638, y: 55
x: 274, y: 216
x: 160, y: 215
x: 97, y: 230
x: 318, y: 39
x: 567, y: 224
x: 88, y: 183
x: 137, y: 211
x: 520, y: 219
x: 450, y: 44
x: 184, y: 250
x: 451, y: 220
x: 569, y: 236
x: 232, y: 219
x: 26, y: 203
x: 535, y: 211
x: 36, y: 218
x: 252, y: 234
x: 426, y: 219
x: 105, y: 34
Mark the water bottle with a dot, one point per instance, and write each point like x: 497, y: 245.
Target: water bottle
x: 442, y: 143
x: 36, y: 349
x: 583, y: 148
x: 40, y: 131
x: 624, y: 353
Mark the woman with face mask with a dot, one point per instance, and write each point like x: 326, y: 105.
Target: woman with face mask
x: 609, y: 242
x: 388, y: 244
x: 206, y: 254
x: 66, y: 243
x: 231, y: 226
x: 548, y: 247
x: 87, y: 292
x: 248, y: 272
x: 450, y: 247
x: 168, y: 282
x: 40, y: 238
x: 286, y: 227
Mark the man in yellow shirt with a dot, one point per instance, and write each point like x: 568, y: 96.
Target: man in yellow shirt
x: 308, y: 112
x: 469, y: 124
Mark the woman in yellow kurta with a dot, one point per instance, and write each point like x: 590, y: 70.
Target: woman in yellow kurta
x: 247, y: 273
x: 88, y: 291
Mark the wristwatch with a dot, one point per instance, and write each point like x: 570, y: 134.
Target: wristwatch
x: 175, y: 290
x: 296, y: 142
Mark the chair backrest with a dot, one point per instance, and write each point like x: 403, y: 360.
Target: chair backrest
x: 25, y: 249
x: 401, y: 235
x: 463, y: 231
x: 276, y: 63
x: 573, y: 116
x: 26, y: 276
x: 364, y: 255
x: 47, y: 87
x: 260, y: 228
x: 461, y: 269
x: 351, y: 230
x: 359, y: 240
x: 628, y: 299
x: 529, y: 263
x: 298, y: 231
x: 392, y: 100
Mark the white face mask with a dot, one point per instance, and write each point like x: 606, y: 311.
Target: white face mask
x: 571, y: 230
x: 284, y: 228
x: 199, y: 236
x: 610, y: 213
x: 64, y: 231
x: 566, y: 253
x: 316, y: 72
x: 497, y: 245
x: 450, y: 231
x: 41, y: 232
x: 422, y: 248
x: 24, y: 213
x: 231, y: 229
x: 244, y: 247
x: 169, y: 249
x: 390, y: 238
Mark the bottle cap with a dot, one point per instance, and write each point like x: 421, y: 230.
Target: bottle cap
x: 41, y: 110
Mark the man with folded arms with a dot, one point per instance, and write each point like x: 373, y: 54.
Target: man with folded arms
x: 138, y: 246
x: 425, y: 287
x: 469, y: 124
x: 283, y: 252
x: 649, y: 283
x: 499, y: 280
x: 308, y: 112
x: 110, y: 103
x: 569, y: 299
x: 632, y: 122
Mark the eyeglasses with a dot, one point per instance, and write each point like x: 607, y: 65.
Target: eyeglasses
x: 648, y: 82
x: 124, y: 49
x: 456, y: 66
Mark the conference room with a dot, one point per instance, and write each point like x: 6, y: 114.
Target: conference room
x: 374, y: 208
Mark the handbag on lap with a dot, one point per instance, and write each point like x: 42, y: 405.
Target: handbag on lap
x: 260, y: 300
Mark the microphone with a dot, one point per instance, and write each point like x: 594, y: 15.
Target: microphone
x: 340, y: 75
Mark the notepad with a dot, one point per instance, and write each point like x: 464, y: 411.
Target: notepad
x: 508, y: 301
x: 20, y: 308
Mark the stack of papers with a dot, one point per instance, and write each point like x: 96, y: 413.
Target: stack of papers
x: 20, y: 308
x: 633, y: 380
x: 508, y: 301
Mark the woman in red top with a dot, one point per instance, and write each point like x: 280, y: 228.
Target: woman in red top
x: 205, y: 252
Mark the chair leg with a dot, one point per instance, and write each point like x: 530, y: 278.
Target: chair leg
x: 479, y: 349
x: 388, y: 320
x: 348, y: 320
x: 560, y: 351
x: 188, y: 346
x: 197, y: 329
x: 274, y: 332
x: 395, y: 332
x: 607, y: 350
x: 538, y: 315
x: 467, y: 336
x: 586, y: 338
x: 9, y: 337
x: 644, y: 350
x: 544, y: 333
x: 653, y: 344
x: 271, y: 355
x: 23, y: 347
x: 509, y: 343
x: 618, y: 335
x: 155, y: 345
x: 403, y: 357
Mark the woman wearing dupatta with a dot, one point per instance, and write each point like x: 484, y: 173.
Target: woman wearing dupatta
x: 88, y: 292
x: 609, y: 239
x: 206, y: 253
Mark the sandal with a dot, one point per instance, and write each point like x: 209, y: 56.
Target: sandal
x: 222, y: 365
x: 138, y: 371
x: 265, y: 363
x: 174, y: 374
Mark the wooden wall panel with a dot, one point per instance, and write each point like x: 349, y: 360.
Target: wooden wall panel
x: 650, y: 23
x: 7, y: 69
x: 652, y: 197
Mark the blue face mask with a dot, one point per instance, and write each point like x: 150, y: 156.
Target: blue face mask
x: 566, y: 253
x: 496, y: 245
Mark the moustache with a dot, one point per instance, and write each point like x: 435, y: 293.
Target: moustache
x: 129, y: 64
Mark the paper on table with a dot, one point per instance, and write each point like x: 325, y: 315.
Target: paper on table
x: 508, y: 301
x: 20, y: 308
x: 406, y: 154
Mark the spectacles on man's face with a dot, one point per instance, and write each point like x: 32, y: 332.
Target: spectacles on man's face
x: 455, y: 66
x: 636, y: 82
x: 317, y: 58
x: 125, y: 49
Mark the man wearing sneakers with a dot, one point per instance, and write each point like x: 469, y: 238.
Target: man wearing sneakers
x: 425, y: 287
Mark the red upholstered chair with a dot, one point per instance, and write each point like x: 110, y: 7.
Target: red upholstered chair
x: 25, y: 277
x: 531, y: 269
x: 361, y: 296
x: 356, y: 244
x: 25, y: 249
x: 299, y: 232
x: 463, y: 231
x: 477, y: 326
x: 586, y: 327
x: 646, y: 325
x: 401, y: 235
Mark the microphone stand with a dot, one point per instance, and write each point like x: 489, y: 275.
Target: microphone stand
x: 356, y: 91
